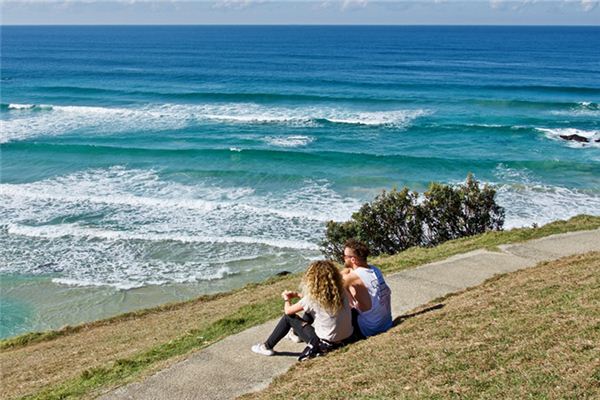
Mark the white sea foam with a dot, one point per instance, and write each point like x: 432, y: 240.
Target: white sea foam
x: 20, y: 106
x: 63, y: 230
x: 126, y: 227
x: 396, y: 118
x: 288, y: 141
x: 126, y: 284
x: 130, y: 190
x: 582, y: 109
x: 103, y: 120
x: 527, y: 200
x: 556, y: 133
x: 99, y: 120
x: 490, y: 126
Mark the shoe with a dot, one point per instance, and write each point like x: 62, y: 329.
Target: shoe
x: 260, y: 348
x: 293, y: 337
x: 309, y: 351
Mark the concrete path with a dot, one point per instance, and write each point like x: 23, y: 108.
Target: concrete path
x: 228, y: 368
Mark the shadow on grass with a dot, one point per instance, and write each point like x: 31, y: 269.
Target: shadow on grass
x: 400, y: 319
x: 287, y: 353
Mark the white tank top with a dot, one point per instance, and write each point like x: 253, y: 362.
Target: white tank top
x: 379, y: 318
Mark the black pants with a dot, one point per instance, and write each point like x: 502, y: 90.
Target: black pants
x: 357, y: 334
x: 301, y: 326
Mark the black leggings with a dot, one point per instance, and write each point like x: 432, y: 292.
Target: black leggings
x: 301, y: 326
x: 357, y: 334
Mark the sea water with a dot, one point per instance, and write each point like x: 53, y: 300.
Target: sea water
x: 141, y: 165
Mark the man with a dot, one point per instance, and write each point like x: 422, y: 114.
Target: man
x: 370, y: 296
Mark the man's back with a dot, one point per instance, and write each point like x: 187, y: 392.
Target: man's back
x: 377, y: 318
x: 370, y: 295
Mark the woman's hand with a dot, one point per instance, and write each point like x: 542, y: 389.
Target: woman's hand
x: 288, y: 295
x: 285, y: 295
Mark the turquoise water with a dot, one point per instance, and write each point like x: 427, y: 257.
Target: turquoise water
x: 150, y: 164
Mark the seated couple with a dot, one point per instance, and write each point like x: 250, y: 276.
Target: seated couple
x: 339, y: 306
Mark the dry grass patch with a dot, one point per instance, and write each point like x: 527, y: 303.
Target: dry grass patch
x: 530, y: 334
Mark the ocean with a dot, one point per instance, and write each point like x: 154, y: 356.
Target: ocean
x: 148, y: 164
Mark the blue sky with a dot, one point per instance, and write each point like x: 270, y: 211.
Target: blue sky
x: 387, y: 12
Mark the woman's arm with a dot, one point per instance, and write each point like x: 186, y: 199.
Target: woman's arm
x: 291, y: 309
x: 288, y: 307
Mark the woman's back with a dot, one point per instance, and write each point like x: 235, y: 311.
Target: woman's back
x: 331, y: 327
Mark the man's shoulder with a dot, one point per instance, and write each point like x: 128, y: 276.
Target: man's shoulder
x: 350, y: 277
x: 376, y: 269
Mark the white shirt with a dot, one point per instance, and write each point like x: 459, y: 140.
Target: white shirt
x: 333, y: 328
x: 379, y: 318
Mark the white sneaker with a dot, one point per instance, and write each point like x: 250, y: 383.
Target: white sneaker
x: 260, y: 348
x: 293, y: 337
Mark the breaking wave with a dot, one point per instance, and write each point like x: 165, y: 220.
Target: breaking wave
x: 22, y: 123
x: 127, y: 227
x: 527, y: 200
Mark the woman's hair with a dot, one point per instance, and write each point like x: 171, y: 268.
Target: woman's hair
x: 322, y: 283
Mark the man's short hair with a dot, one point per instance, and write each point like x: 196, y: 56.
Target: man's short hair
x: 360, y: 250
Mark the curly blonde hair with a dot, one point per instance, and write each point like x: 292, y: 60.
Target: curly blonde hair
x: 322, y: 283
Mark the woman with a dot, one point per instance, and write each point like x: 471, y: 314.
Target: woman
x: 327, y: 317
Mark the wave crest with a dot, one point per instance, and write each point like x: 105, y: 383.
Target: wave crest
x: 62, y: 120
x: 288, y: 141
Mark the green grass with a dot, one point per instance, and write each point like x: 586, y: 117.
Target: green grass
x: 490, y: 241
x: 125, y: 370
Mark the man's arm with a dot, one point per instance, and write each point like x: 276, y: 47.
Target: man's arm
x: 358, y: 292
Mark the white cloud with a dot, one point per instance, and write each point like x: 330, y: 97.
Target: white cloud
x: 514, y: 5
x: 236, y: 4
x: 585, y: 5
x: 68, y: 2
x: 347, y: 4
x: 344, y: 4
x: 589, y: 5
x: 496, y: 4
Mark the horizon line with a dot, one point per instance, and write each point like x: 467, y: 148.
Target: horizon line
x: 323, y: 25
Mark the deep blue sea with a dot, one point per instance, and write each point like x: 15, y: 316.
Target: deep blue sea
x: 149, y: 164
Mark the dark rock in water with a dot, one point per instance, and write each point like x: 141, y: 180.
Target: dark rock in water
x: 50, y: 267
x: 597, y: 140
x: 45, y: 266
x: 575, y: 138
x: 283, y: 273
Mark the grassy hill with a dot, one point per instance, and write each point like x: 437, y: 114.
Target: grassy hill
x: 530, y: 334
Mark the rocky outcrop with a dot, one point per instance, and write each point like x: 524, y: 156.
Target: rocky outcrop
x: 576, y: 138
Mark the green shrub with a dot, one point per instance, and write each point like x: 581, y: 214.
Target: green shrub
x: 453, y: 212
x: 336, y: 235
x: 441, y: 208
x: 390, y: 223
x: 480, y: 212
x: 395, y: 221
